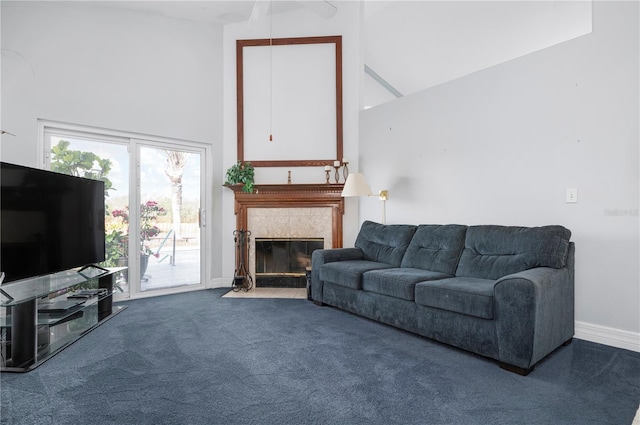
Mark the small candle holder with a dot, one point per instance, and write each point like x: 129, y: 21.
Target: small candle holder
x: 327, y: 172
x: 337, y: 165
x: 345, y: 169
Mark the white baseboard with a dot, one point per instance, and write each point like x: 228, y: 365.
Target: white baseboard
x: 220, y: 282
x: 608, y: 336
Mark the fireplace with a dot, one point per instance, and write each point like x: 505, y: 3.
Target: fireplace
x: 294, y: 212
x: 282, y: 262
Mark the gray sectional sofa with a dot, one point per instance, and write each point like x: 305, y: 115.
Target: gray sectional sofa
x: 502, y: 292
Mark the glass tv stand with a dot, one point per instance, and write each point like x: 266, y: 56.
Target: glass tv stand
x: 41, y: 316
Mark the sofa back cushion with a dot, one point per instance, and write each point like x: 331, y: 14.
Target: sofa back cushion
x: 436, y: 248
x: 384, y: 243
x: 492, y: 252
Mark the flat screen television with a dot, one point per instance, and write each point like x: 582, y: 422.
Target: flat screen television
x: 49, y: 222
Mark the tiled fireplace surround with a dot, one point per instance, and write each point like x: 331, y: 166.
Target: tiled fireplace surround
x: 290, y: 211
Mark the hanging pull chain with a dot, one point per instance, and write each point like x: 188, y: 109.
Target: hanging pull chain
x: 270, y: 72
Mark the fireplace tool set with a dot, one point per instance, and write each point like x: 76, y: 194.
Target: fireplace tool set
x: 242, y: 277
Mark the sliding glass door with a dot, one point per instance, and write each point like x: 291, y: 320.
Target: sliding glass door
x: 170, y: 240
x: 153, y: 198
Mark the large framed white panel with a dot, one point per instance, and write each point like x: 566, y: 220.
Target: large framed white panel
x: 289, y: 101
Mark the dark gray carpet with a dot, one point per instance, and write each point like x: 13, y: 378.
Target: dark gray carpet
x: 197, y: 358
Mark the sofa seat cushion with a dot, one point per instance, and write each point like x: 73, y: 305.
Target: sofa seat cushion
x: 436, y: 247
x: 397, y: 282
x: 348, y: 273
x: 466, y: 295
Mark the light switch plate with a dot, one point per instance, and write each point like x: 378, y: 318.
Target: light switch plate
x: 572, y: 195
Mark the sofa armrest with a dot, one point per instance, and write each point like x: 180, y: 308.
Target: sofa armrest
x: 534, y: 313
x: 323, y: 256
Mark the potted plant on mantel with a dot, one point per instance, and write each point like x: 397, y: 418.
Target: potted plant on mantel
x: 241, y: 173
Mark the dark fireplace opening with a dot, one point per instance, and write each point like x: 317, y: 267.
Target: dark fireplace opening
x: 283, y: 262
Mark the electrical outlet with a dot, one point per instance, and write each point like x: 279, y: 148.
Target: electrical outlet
x: 572, y: 195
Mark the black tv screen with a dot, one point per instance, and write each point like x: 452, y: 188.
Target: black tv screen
x: 49, y: 222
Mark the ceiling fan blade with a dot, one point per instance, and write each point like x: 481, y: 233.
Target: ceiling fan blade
x: 261, y: 8
x: 323, y: 8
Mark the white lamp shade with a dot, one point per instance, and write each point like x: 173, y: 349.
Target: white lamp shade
x: 356, y: 185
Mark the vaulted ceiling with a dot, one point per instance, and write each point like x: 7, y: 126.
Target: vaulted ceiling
x: 215, y: 12
x: 412, y: 45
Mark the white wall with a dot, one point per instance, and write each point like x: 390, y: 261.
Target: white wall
x: 501, y: 146
x: 78, y: 62
x: 301, y: 22
x: 415, y: 45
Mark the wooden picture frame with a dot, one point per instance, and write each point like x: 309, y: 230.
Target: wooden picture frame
x: 299, y: 91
